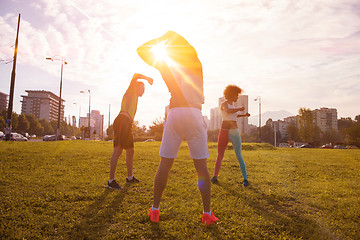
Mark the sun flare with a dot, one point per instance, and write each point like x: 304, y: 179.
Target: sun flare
x: 161, y: 54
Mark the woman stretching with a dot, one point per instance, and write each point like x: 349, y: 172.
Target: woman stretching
x: 229, y: 130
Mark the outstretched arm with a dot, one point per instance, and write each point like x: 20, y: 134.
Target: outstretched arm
x: 225, y: 108
x: 244, y: 115
x: 138, y: 76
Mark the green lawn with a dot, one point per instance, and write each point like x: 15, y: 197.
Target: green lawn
x: 56, y: 190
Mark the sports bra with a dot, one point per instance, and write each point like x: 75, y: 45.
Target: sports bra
x: 229, y: 116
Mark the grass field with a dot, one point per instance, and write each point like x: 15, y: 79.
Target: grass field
x: 56, y: 190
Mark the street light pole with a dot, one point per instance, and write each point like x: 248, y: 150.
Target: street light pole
x: 259, y: 98
x: 89, y: 110
x: 12, y: 86
x: 79, y: 111
x: 62, y: 59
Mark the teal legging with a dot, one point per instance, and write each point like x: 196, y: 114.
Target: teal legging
x: 223, y: 139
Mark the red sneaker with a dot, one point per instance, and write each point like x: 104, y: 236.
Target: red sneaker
x: 154, y: 215
x: 207, y: 220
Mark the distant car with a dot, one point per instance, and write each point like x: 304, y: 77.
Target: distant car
x: 306, y: 146
x: 26, y: 135
x: 339, y: 147
x: 2, y: 135
x: 17, y: 137
x: 53, y: 137
x: 33, y: 136
x: 351, y: 147
x: 328, y: 146
x: 284, y: 145
x: 49, y: 138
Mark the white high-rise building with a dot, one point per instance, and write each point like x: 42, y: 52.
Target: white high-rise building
x: 96, y: 122
x: 326, y: 119
x: 215, y: 119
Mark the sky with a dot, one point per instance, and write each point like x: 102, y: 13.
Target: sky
x: 291, y: 53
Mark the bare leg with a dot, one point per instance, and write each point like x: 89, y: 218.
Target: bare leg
x: 129, y: 161
x: 113, y: 161
x: 203, y: 182
x: 161, y: 178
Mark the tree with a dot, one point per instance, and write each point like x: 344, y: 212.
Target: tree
x: 292, y: 132
x: 109, y: 131
x: 138, y: 131
x: 48, y: 130
x: 3, y: 113
x: 2, y: 124
x: 331, y: 136
x: 156, y: 129
x: 344, y: 123
x: 306, y: 124
x: 213, y: 135
x: 357, y: 118
x: 23, y: 124
x: 267, y: 134
x: 14, y: 122
x: 354, y: 134
x: 54, y: 124
x: 35, y: 126
x: 318, y: 135
x: 14, y: 119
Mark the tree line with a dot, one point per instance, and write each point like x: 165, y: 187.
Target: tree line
x: 27, y: 123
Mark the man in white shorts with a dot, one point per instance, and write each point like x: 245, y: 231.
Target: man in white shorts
x: 182, y: 72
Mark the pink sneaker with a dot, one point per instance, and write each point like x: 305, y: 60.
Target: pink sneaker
x: 154, y: 215
x: 207, y: 220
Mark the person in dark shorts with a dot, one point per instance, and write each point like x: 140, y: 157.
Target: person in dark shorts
x: 123, y: 138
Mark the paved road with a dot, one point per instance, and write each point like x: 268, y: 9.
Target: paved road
x: 35, y: 140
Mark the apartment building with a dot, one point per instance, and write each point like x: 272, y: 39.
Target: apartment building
x: 42, y: 104
x: 326, y: 118
x: 3, y: 100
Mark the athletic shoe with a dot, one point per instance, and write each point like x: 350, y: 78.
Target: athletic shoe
x: 113, y: 185
x: 207, y: 220
x: 134, y: 180
x: 246, y: 183
x: 214, y: 180
x: 154, y: 215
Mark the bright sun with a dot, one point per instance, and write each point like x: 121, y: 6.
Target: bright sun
x: 160, y: 53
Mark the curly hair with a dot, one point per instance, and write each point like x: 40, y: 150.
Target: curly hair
x: 231, y: 90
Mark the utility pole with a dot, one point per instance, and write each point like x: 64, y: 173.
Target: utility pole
x: 109, y: 117
x: 12, y: 86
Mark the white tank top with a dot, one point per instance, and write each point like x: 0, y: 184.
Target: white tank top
x: 229, y: 116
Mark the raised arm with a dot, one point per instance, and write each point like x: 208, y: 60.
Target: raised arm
x: 138, y: 76
x: 145, y: 52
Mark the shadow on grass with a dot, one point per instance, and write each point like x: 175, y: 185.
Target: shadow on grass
x: 283, y: 213
x: 97, y: 217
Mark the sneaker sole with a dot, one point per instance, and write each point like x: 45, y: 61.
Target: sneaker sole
x: 109, y: 187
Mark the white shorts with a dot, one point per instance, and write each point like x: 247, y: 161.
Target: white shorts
x: 184, y: 124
